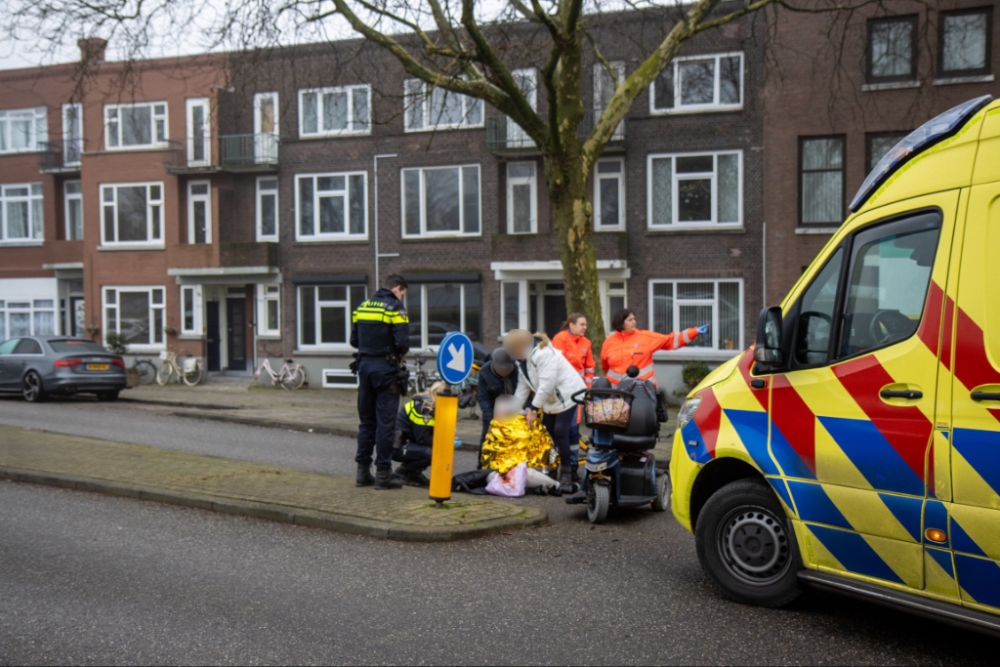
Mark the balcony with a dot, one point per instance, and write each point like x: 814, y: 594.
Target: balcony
x: 504, y: 137
x: 179, y: 157
x: 241, y: 153
x: 57, y: 157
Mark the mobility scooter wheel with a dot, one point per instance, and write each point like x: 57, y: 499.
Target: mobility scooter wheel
x: 662, y: 500
x: 598, y: 502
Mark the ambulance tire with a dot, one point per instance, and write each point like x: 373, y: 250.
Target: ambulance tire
x: 746, y: 546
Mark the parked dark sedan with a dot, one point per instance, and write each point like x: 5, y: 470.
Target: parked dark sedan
x: 36, y: 366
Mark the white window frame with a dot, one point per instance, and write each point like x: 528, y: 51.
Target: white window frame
x: 30, y: 307
x: 713, y: 223
x: 715, y: 350
x: 522, y: 305
x: 69, y: 197
x: 423, y: 201
x: 346, y: 235
x: 532, y: 183
x: 266, y: 143
x: 190, y: 104
x: 38, y: 129
x: 205, y: 198
x: 427, y: 122
x: 72, y: 129
x: 261, y: 236
x: 599, y: 73
x: 424, y: 344
x: 516, y: 136
x: 152, y: 241
x: 320, y: 92
x: 716, y: 105
x: 36, y: 228
x: 598, y: 177
x: 197, y: 328
x: 319, y: 345
x: 266, y: 294
x: 154, y: 118
x: 149, y: 290
x: 607, y: 293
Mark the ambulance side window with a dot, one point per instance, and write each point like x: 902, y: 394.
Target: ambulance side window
x: 889, y: 276
x: 819, y: 304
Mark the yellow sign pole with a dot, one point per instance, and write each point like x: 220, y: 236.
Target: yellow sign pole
x: 443, y: 452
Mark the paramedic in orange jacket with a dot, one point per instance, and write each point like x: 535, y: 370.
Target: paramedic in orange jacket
x: 629, y: 346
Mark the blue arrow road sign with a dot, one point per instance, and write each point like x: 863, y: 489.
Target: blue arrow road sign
x: 454, y: 358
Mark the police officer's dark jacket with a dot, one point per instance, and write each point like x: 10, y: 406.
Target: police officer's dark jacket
x: 380, y: 326
x: 415, y: 421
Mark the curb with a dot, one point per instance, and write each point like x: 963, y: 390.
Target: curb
x: 179, y: 404
x: 531, y: 516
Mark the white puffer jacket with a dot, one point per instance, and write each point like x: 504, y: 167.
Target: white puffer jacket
x: 551, y: 377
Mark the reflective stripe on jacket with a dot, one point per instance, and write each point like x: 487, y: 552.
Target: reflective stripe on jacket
x: 622, y: 350
x: 415, y: 421
x: 380, y: 326
x: 578, y: 352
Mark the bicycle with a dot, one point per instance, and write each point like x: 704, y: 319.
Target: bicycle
x: 291, y: 375
x: 145, y: 368
x: 190, y: 372
x: 420, y: 379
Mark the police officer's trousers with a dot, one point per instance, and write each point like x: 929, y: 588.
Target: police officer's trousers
x: 378, y: 403
x: 413, y: 458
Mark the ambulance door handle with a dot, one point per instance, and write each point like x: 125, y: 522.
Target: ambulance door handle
x: 758, y: 383
x: 986, y: 395
x: 910, y: 394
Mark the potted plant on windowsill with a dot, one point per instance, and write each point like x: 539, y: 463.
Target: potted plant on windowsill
x: 118, y: 344
x: 169, y: 330
x: 91, y: 330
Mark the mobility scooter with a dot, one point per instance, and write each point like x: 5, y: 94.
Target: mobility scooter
x: 620, y: 470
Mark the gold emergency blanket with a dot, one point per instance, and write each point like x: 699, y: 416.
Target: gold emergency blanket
x: 512, y: 441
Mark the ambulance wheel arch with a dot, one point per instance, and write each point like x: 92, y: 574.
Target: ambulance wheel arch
x: 715, y: 475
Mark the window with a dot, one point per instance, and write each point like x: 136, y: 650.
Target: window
x: 522, y: 198
x: 965, y: 42
x: 880, y: 143
x: 267, y: 208
x: 699, y: 83
x: 442, y: 200
x: 132, y: 213
x: 609, y: 195
x: 27, y: 317
x: 816, y: 313
x: 135, y: 125
x: 266, y: 128
x: 23, y: 130
x: 191, y: 320
x: 199, y: 152
x: 136, y: 313
x: 616, y: 299
x: 821, y: 179
x: 604, y: 90
x: 526, y: 80
x: 21, y: 216
x: 695, y: 189
x: 331, y: 112
x: 73, y: 196
x: 199, y: 212
x: 72, y: 115
x: 269, y: 310
x: 513, y: 306
x: 437, y: 309
x: 432, y: 108
x: 678, y: 305
x: 892, y: 49
x: 325, y: 314
x: 331, y: 206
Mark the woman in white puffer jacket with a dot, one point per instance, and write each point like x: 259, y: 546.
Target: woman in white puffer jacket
x: 546, y: 372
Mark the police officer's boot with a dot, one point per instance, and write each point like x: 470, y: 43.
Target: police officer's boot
x: 384, y: 480
x: 364, y: 477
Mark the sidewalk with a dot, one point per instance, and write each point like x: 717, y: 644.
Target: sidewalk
x: 250, y: 489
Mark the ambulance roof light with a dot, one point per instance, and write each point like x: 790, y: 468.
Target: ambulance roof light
x: 922, y: 138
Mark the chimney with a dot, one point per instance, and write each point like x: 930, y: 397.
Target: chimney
x: 92, y: 49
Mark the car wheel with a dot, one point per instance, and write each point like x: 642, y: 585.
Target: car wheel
x: 107, y: 395
x: 31, y: 388
x: 746, y: 546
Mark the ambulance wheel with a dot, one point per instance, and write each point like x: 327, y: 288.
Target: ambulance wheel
x: 662, y: 500
x: 746, y: 547
x: 598, y: 502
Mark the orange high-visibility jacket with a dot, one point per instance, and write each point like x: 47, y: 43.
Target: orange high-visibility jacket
x: 622, y: 350
x: 578, y: 351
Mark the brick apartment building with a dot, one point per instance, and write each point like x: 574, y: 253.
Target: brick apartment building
x: 235, y: 207
x: 830, y: 115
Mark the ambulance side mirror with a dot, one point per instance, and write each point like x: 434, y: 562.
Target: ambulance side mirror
x: 767, y: 349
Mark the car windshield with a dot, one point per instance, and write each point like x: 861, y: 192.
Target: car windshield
x: 75, y: 346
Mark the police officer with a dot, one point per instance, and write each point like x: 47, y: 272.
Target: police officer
x: 416, y: 437
x: 381, y: 334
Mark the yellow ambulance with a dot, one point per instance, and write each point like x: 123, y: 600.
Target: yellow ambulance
x: 856, y: 446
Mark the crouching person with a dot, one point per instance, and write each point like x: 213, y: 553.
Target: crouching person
x: 415, y: 442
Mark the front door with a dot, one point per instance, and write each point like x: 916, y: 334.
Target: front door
x: 853, y: 421
x: 975, y: 457
x: 236, y: 342
x: 213, y: 341
x: 555, y: 313
x: 77, y: 316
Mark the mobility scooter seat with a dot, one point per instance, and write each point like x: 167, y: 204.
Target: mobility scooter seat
x: 643, y: 427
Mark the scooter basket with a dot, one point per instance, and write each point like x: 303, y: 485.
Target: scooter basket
x: 606, y: 409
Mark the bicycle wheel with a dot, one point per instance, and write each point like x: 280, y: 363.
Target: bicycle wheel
x: 147, y: 372
x: 293, y: 378
x: 165, y: 373
x: 194, y: 377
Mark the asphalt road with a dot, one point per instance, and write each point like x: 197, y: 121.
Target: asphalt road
x: 86, y: 578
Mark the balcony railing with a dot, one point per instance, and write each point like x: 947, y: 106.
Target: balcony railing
x: 59, y: 157
x: 176, y: 159
x: 505, y: 137
x: 248, y: 152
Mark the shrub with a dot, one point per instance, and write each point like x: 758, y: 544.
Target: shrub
x: 116, y: 342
